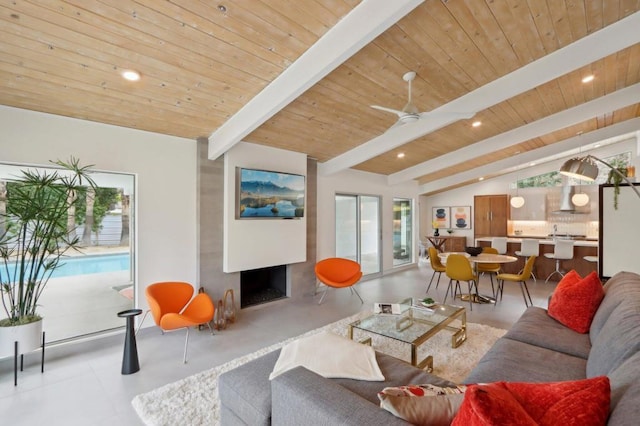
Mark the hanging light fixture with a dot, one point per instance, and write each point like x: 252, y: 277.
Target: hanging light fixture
x: 518, y: 200
x: 580, y: 199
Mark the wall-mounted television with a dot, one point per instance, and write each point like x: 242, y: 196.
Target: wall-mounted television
x: 264, y: 194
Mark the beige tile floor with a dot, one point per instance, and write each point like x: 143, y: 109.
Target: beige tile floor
x: 82, y: 384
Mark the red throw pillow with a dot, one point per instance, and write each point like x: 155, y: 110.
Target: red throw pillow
x: 575, y: 301
x: 581, y: 402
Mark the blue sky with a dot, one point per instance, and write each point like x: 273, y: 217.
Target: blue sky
x: 281, y: 179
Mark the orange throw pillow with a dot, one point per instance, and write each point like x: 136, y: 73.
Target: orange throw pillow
x: 576, y: 403
x: 575, y: 301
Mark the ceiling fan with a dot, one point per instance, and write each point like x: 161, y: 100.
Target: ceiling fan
x: 410, y: 112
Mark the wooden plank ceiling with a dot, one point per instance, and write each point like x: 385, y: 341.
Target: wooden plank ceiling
x: 201, y: 61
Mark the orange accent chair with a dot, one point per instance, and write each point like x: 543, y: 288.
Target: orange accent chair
x: 173, y: 307
x: 338, y: 273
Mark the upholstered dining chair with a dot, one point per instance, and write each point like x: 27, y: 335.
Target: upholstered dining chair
x: 173, y: 307
x: 490, y: 268
x: 436, y: 265
x: 337, y: 272
x: 519, y: 278
x: 459, y: 269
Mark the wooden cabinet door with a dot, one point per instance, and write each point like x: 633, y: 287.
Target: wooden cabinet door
x: 481, y: 215
x: 491, y: 213
x: 499, y: 215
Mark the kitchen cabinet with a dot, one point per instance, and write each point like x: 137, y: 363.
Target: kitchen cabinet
x: 490, y: 216
x: 534, y: 205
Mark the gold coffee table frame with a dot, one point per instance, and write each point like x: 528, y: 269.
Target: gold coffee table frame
x: 415, y: 326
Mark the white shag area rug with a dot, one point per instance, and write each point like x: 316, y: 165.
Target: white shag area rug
x: 194, y: 400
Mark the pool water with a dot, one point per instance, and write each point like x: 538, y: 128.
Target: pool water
x: 83, y: 265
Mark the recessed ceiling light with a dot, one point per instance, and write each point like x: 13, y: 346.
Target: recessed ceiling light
x: 131, y: 75
x: 588, y: 78
x: 532, y: 164
x: 401, y: 155
x: 476, y: 124
x: 481, y: 178
x: 597, y: 145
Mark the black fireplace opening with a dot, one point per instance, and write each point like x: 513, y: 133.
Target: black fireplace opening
x: 263, y: 285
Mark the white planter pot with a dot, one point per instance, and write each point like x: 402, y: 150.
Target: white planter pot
x: 28, y: 336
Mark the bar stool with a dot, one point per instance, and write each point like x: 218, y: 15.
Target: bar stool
x: 592, y: 259
x: 529, y: 247
x: 563, y: 250
x: 500, y: 244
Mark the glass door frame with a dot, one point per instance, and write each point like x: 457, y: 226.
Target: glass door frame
x: 358, y: 220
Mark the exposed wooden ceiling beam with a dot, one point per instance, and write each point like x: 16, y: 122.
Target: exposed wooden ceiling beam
x: 358, y: 28
x: 619, y: 99
x: 586, y: 50
x: 548, y: 151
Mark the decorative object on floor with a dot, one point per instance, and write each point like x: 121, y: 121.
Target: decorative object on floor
x: 194, y: 400
x: 220, y: 322
x: 130, y: 362
x: 34, y: 238
x: 337, y: 272
x: 229, y: 306
x: 173, y: 308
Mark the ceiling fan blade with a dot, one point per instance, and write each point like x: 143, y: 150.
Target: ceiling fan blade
x: 393, y: 111
x: 455, y: 115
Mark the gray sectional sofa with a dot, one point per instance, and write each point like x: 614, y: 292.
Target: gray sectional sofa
x: 536, y: 349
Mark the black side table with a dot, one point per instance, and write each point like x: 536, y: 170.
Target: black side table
x: 130, y: 362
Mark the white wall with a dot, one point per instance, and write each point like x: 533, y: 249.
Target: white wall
x: 357, y: 182
x: 165, y: 169
x: 259, y: 243
x: 503, y: 184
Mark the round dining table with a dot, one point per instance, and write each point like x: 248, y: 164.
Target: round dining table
x: 475, y: 260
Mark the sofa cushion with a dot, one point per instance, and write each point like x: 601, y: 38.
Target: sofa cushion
x: 423, y: 404
x: 536, y: 327
x: 625, y: 391
x: 331, y: 356
x: 575, y: 301
x: 622, y: 286
x: 511, y: 360
x: 582, y: 402
x: 618, y: 339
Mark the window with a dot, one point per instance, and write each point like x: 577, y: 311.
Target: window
x: 402, y: 231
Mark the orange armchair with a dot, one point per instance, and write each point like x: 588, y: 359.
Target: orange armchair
x: 173, y: 308
x: 338, y: 273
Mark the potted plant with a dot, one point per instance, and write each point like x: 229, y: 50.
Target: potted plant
x: 34, y: 237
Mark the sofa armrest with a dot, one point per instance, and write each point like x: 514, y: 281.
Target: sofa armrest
x: 300, y: 396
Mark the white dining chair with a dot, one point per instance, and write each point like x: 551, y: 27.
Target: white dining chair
x: 529, y: 247
x: 563, y: 250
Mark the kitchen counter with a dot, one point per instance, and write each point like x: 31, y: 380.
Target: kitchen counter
x: 545, y: 266
x: 543, y: 240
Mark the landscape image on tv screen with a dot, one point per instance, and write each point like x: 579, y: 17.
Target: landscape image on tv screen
x: 267, y: 194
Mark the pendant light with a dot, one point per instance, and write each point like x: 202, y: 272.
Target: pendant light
x: 581, y: 199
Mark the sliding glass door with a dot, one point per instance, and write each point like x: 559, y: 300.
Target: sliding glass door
x: 358, y: 235
x: 402, y: 231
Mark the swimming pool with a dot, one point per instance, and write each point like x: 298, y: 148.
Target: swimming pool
x: 89, y: 264
x: 92, y: 264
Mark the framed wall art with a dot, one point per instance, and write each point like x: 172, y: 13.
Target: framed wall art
x: 441, y: 218
x: 460, y: 217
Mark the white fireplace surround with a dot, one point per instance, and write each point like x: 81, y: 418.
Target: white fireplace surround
x: 259, y: 243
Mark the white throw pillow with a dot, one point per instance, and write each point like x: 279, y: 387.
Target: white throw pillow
x: 331, y: 356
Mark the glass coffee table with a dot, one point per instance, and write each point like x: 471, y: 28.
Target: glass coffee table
x: 415, y: 325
